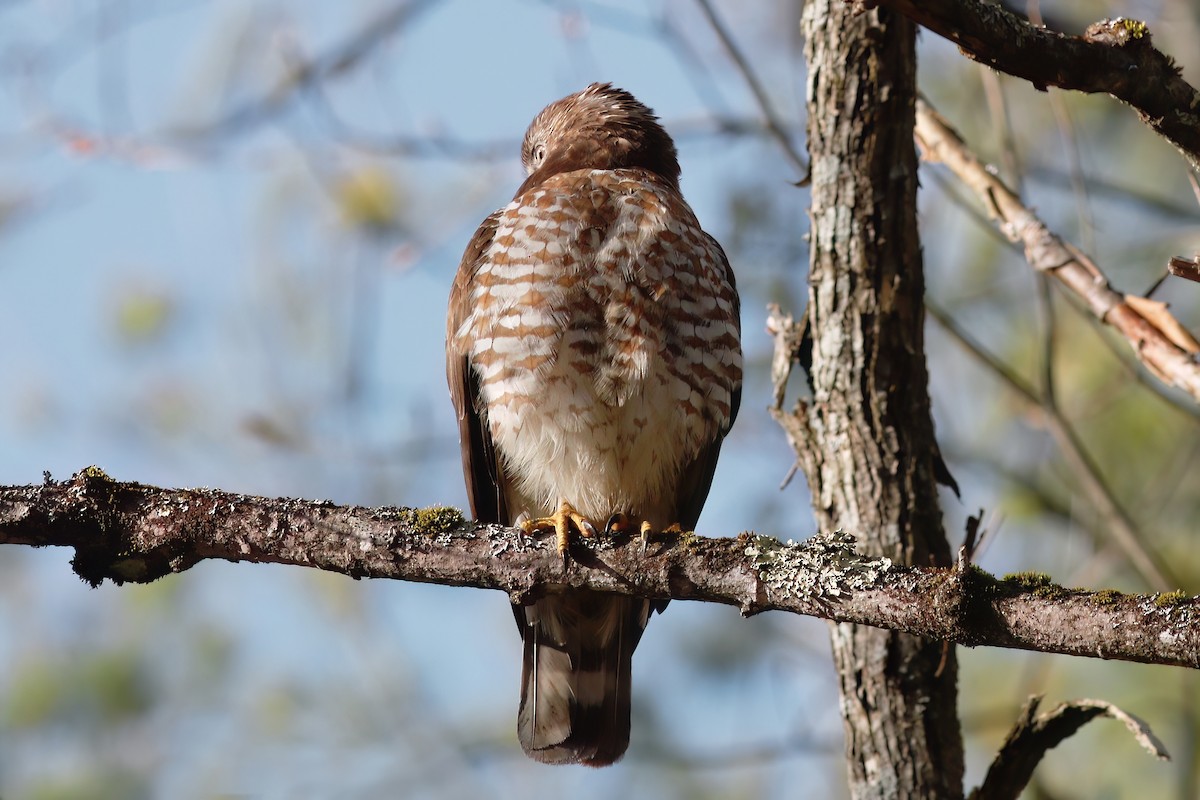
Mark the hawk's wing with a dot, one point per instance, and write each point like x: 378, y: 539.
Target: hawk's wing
x: 481, y: 467
x: 696, y: 478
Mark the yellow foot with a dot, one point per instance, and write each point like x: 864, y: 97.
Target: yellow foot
x: 648, y: 532
x: 560, y: 522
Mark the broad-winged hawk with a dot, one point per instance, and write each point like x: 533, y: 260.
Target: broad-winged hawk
x: 594, y: 358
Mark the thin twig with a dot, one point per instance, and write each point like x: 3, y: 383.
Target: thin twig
x: 1049, y: 337
x: 993, y: 90
x: 1157, y: 338
x: 1134, y: 368
x: 774, y: 123
x: 1162, y: 208
x: 1066, y: 129
x: 337, y: 60
x: 1123, y: 529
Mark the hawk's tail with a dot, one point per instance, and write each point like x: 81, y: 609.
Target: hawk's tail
x: 575, y: 680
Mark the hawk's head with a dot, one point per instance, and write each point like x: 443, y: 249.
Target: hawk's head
x: 600, y: 127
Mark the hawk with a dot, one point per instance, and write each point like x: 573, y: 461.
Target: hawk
x: 593, y: 352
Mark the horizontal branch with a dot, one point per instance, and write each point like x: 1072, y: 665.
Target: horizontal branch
x: 129, y: 532
x: 1158, y: 339
x: 1113, y: 57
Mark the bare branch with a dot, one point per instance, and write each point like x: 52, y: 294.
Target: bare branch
x: 1034, y: 734
x: 1118, y: 524
x: 129, y: 532
x: 774, y: 124
x: 1113, y: 56
x: 1112, y: 189
x: 1156, y: 337
x: 304, y: 73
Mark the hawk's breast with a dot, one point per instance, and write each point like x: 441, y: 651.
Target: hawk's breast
x: 604, y: 332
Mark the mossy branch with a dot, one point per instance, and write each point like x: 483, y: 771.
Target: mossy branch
x: 130, y: 532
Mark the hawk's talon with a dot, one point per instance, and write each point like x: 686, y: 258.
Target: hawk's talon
x: 519, y: 528
x: 560, y: 522
x: 619, y: 522
x: 648, y: 532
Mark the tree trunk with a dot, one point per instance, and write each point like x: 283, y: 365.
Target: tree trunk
x: 870, y: 451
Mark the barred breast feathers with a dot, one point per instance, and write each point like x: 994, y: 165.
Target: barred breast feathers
x: 601, y: 286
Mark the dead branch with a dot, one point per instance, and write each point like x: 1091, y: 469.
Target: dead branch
x: 1034, y: 734
x: 774, y: 124
x: 130, y: 532
x: 306, y: 72
x: 1157, y: 338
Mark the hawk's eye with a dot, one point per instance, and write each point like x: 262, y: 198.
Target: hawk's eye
x: 539, y: 154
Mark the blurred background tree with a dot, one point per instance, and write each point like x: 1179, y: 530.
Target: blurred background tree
x: 227, y: 232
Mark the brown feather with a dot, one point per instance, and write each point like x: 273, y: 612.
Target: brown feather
x: 481, y: 466
x: 601, y: 127
x: 597, y: 633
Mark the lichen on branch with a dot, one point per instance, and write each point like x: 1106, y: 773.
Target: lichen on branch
x: 133, y: 533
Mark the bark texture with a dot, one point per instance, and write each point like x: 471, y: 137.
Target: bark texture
x: 134, y: 533
x: 866, y: 439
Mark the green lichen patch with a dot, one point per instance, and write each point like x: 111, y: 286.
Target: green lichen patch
x: 1038, y: 584
x: 1134, y: 28
x: 95, y: 483
x: 437, y: 519
x: 825, y: 565
x: 1170, y: 599
x: 94, y: 473
x: 1119, y: 32
x: 403, y: 516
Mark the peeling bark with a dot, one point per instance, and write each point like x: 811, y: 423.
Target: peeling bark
x: 1156, y: 337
